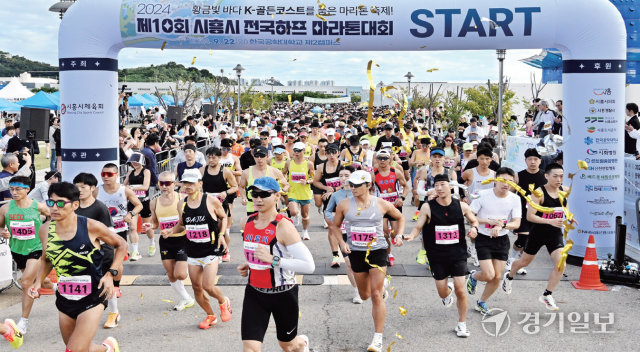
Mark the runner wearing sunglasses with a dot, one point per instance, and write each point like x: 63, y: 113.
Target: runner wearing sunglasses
x: 388, y: 182
x: 362, y: 215
x: 202, y: 216
x: 260, y: 169
x: 300, y: 176
x: 164, y: 215
x: 327, y: 179
x: 21, y: 220
x: 318, y: 158
x: 71, y: 245
x: 115, y: 197
x: 139, y: 180
x: 231, y: 162
x: 219, y: 182
x: 274, y: 254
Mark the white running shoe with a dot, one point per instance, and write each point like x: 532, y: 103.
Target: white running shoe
x: 510, y: 261
x: 505, y: 285
x: 22, y: 326
x: 305, y: 235
x: 184, y: 304
x: 522, y: 271
x: 135, y: 256
x: 448, y: 301
x: 325, y: 225
x: 462, y: 333
x: 474, y: 258
x: 549, y: 302
x: 356, y: 298
x: 306, y: 342
x: 376, y: 345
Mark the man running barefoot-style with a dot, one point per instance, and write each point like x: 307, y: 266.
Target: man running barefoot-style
x: 444, y: 240
x: 71, y: 245
x: 275, y: 253
x: 362, y: 215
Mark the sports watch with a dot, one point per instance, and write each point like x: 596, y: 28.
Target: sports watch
x: 113, y: 272
x: 276, y: 261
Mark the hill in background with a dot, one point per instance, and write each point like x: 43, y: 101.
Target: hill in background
x: 14, y: 66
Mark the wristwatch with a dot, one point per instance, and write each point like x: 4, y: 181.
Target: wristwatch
x: 403, y: 198
x: 113, y: 272
x: 133, y: 213
x: 276, y: 260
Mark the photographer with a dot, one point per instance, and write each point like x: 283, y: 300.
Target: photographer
x: 10, y: 168
x: 22, y: 147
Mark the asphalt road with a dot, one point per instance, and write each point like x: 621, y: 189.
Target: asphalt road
x: 333, y: 323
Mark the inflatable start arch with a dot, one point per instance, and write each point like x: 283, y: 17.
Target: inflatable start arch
x: 94, y: 31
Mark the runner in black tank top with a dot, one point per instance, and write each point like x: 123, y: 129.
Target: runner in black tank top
x: 317, y: 192
x: 546, y: 230
x: 201, y: 226
x: 136, y: 179
x: 443, y: 234
x: 214, y: 185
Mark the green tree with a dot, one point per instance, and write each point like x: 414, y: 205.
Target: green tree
x: 45, y: 89
x: 483, y: 101
x: 455, y: 104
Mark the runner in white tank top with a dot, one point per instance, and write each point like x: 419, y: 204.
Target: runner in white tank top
x: 477, y: 185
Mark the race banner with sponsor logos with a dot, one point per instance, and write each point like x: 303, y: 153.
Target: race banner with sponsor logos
x: 631, y: 194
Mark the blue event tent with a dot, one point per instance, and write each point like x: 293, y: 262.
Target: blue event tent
x: 41, y: 100
x: 9, y: 106
x: 139, y: 100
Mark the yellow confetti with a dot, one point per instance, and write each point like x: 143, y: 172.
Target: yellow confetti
x: 395, y: 294
x: 373, y: 9
x: 422, y: 47
x: 389, y: 348
x: 392, y: 288
x: 361, y: 7
x: 563, y: 255
x: 536, y: 192
x: 210, y: 52
x: 271, y: 16
x: 322, y: 18
x: 166, y: 300
x: 163, y: 45
x: 136, y: 51
x: 299, y: 314
x: 165, y: 313
x: 402, y: 311
x: 139, y: 319
x: 193, y: 61
x: 321, y: 6
x: 432, y: 70
x: 165, y: 162
x: 399, y: 336
x: 141, y: 296
x: 338, y: 40
x: 366, y: 256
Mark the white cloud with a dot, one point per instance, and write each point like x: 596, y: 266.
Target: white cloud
x: 33, y: 34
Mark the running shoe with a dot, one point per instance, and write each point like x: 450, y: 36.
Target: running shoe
x: 506, y: 284
x: 112, y: 321
x: 135, y: 256
x: 510, y: 261
x: 208, y: 322
x: 472, y: 283
x: 118, y: 292
x: 305, y: 235
x: 376, y: 345
x: 111, y: 342
x: 14, y: 336
x: 462, y: 333
x: 335, y: 263
x: 474, y: 259
x: 482, y: 308
x: 448, y: 301
x: 416, y: 215
x: 226, y: 257
x: 48, y: 156
x: 522, y: 271
x: 184, y: 304
x: 127, y: 256
x: 325, y: 225
x: 356, y: 298
x: 152, y: 250
x: 306, y: 342
x: 225, y: 310
x: 549, y: 302
x: 23, y: 325
x: 421, y: 258
x: 391, y: 259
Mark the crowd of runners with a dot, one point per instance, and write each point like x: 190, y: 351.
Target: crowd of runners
x: 279, y: 164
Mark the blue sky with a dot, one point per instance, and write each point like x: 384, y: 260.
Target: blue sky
x: 32, y: 32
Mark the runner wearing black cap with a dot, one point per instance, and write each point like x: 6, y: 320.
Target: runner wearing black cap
x: 319, y: 158
x: 354, y: 154
x: 441, y: 222
x: 327, y: 179
x: 260, y: 169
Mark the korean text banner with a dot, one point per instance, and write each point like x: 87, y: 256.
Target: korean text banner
x: 327, y: 100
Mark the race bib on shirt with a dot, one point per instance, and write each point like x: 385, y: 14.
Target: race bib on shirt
x: 387, y: 145
x: 198, y: 233
x: 447, y: 234
x: 23, y: 230
x: 140, y: 194
x: 74, y: 288
x: 493, y: 217
x: 558, y: 213
x: 249, y: 254
x: 217, y: 195
x: 118, y: 224
x: 333, y: 182
x: 168, y: 222
x: 389, y: 197
x: 360, y: 236
x: 299, y: 177
x: 547, y: 126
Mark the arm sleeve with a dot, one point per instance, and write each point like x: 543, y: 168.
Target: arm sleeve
x: 328, y: 211
x: 635, y: 134
x: 302, y: 261
x: 422, y: 188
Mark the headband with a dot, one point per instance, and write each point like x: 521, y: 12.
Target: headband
x: 18, y: 184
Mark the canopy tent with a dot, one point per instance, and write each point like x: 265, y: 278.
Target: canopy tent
x: 15, y: 91
x: 9, y: 106
x: 169, y: 100
x: 41, y: 100
x: 139, y: 100
x: 152, y: 98
x: 56, y: 95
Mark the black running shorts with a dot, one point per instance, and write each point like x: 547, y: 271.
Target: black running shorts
x: 492, y: 247
x: 146, y: 209
x: 73, y: 309
x: 258, y: 307
x: 378, y: 257
x: 108, y: 252
x: 21, y: 260
x: 536, y: 241
x: 173, y: 248
x: 442, y: 270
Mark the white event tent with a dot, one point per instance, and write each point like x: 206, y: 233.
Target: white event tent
x: 15, y: 91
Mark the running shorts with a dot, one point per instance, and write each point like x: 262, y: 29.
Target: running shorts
x: 258, y: 307
x: 536, y: 241
x: 405, y: 165
x: 391, y: 218
x: 108, y: 253
x: 173, y: 248
x: 442, y: 270
x: 146, y: 209
x: 316, y: 190
x: 73, y: 309
x: 21, y: 260
x: 521, y: 240
x: 492, y: 247
x: 203, y: 262
x: 378, y: 257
